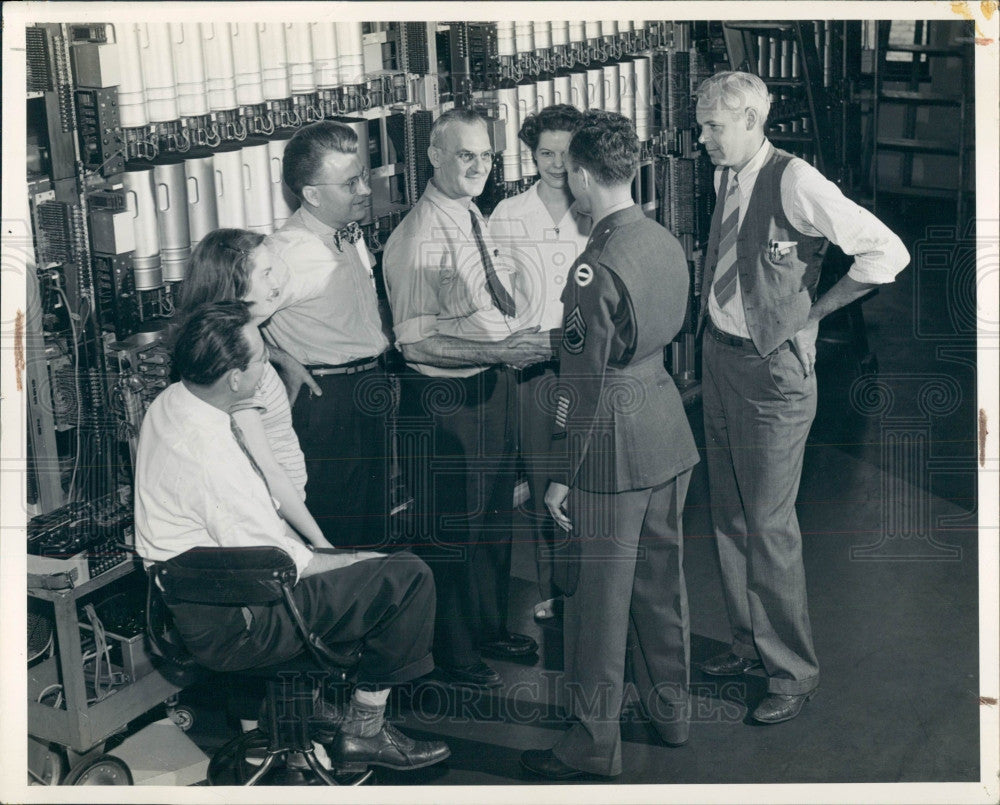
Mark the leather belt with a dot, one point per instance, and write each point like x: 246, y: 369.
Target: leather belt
x: 349, y: 368
x: 726, y: 338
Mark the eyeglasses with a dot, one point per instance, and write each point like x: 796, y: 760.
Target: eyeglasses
x: 468, y: 158
x: 353, y: 184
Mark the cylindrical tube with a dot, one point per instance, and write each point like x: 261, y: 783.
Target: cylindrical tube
x: 246, y: 63
x: 626, y: 69
x: 527, y: 100
x: 189, y: 69
x: 257, y: 204
x: 298, y: 44
x: 228, y: 163
x: 139, y: 200
x: 643, y: 105
x: 351, y: 44
x: 609, y: 28
x: 507, y: 102
x: 592, y: 30
x: 763, y: 48
x: 325, y: 56
x: 560, y: 33
x: 561, y: 89
x: 157, y: 61
x: 578, y: 89
x: 612, y: 87
x: 505, y: 39
x: 281, y: 197
x: 577, y: 32
x: 595, y: 88
x: 625, y: 26
x: 131, y: 91
x: 542, y: 34
x: 273, y: 60
x: 172, y: 217
x: 524, y: 37
x: 545, y: 93
x: 203, y: 215
x: 219, y: 67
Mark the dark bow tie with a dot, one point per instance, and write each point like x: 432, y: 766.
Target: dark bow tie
x: 351, y: 233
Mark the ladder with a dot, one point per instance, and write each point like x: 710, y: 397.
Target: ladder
x: 925, y: 58
x: 785, y: 55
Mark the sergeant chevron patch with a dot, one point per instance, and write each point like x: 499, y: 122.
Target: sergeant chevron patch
x: 574, y: 332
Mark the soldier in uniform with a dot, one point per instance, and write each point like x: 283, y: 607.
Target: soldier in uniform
x: 625, y: 451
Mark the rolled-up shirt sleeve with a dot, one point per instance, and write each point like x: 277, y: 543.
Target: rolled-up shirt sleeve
x: 815, y: 206
x: 411, y: 266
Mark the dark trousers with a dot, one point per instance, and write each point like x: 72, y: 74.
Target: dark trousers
x: 758, y: 411
x: 382, y: 607
x: 457, y: 448
x: 536, y: 419
x: 631, y: 601
x: 345, y: 436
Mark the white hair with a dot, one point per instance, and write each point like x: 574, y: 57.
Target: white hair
x: 735, y: 91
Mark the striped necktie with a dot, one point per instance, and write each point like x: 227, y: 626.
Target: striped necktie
x: 725, y: 267
x: 501, y: 298
x: 238, y: 435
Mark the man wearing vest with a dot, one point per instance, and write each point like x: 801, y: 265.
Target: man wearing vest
x: 773, y: 218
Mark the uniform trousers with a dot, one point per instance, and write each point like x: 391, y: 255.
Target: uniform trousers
x: 383, y: 608
x: 345, y: 437
x: 536, y: 418
x: 758, y: 411
x: 631, y: 595
x: 457, y: 440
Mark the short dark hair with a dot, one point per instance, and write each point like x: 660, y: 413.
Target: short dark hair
x: 558, y: 117
x: 220, y: 268
x: 606, y: 145
x: 460, y: 114
x: 211, y: 343
x: 309, y: 145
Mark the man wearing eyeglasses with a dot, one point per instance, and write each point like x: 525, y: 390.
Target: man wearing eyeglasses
x: 328, y: 319
x: 455, y: 303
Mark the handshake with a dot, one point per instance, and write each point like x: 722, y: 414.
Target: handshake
x: 529, y: 346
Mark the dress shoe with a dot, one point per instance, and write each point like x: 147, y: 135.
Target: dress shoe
x: 388, y: 747
x: 477, y: 675
x: 509, y: 644
x: 546, y: 610
x: 729, y: 665
x: 544, y: 763
x: 778, y: 707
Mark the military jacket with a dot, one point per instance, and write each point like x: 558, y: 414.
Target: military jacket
x: 620, y: 422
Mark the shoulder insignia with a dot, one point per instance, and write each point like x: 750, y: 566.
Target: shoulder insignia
x: 584, y: 275
x: 574, y: 332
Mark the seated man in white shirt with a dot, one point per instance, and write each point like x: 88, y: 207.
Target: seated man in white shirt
x: 196, y: 486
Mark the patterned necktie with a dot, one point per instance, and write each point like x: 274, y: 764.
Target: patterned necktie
x: 501, y: 298
x: 351, y: 233
x: 238, y: 435
x: 725, y: 267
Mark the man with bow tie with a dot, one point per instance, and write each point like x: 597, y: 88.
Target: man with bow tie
x: 328, y: 319
x: 456, y: 305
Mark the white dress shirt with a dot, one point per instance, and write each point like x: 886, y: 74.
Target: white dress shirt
x: 815, y: 206
x: 195, y: 487
x: 542, y: 250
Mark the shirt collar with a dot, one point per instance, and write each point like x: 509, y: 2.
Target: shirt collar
x: 626, y: 215
x: 456, y: 209
x: 196, y: 410
x: 752, y: 168
x: 313, y: 224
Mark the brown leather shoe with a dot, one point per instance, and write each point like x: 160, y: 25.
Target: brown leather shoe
x: 389, y: 748
x: 778, y: 707
x: 729, y: 664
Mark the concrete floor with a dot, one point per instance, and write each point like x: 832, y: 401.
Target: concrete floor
x: 887, y: 510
